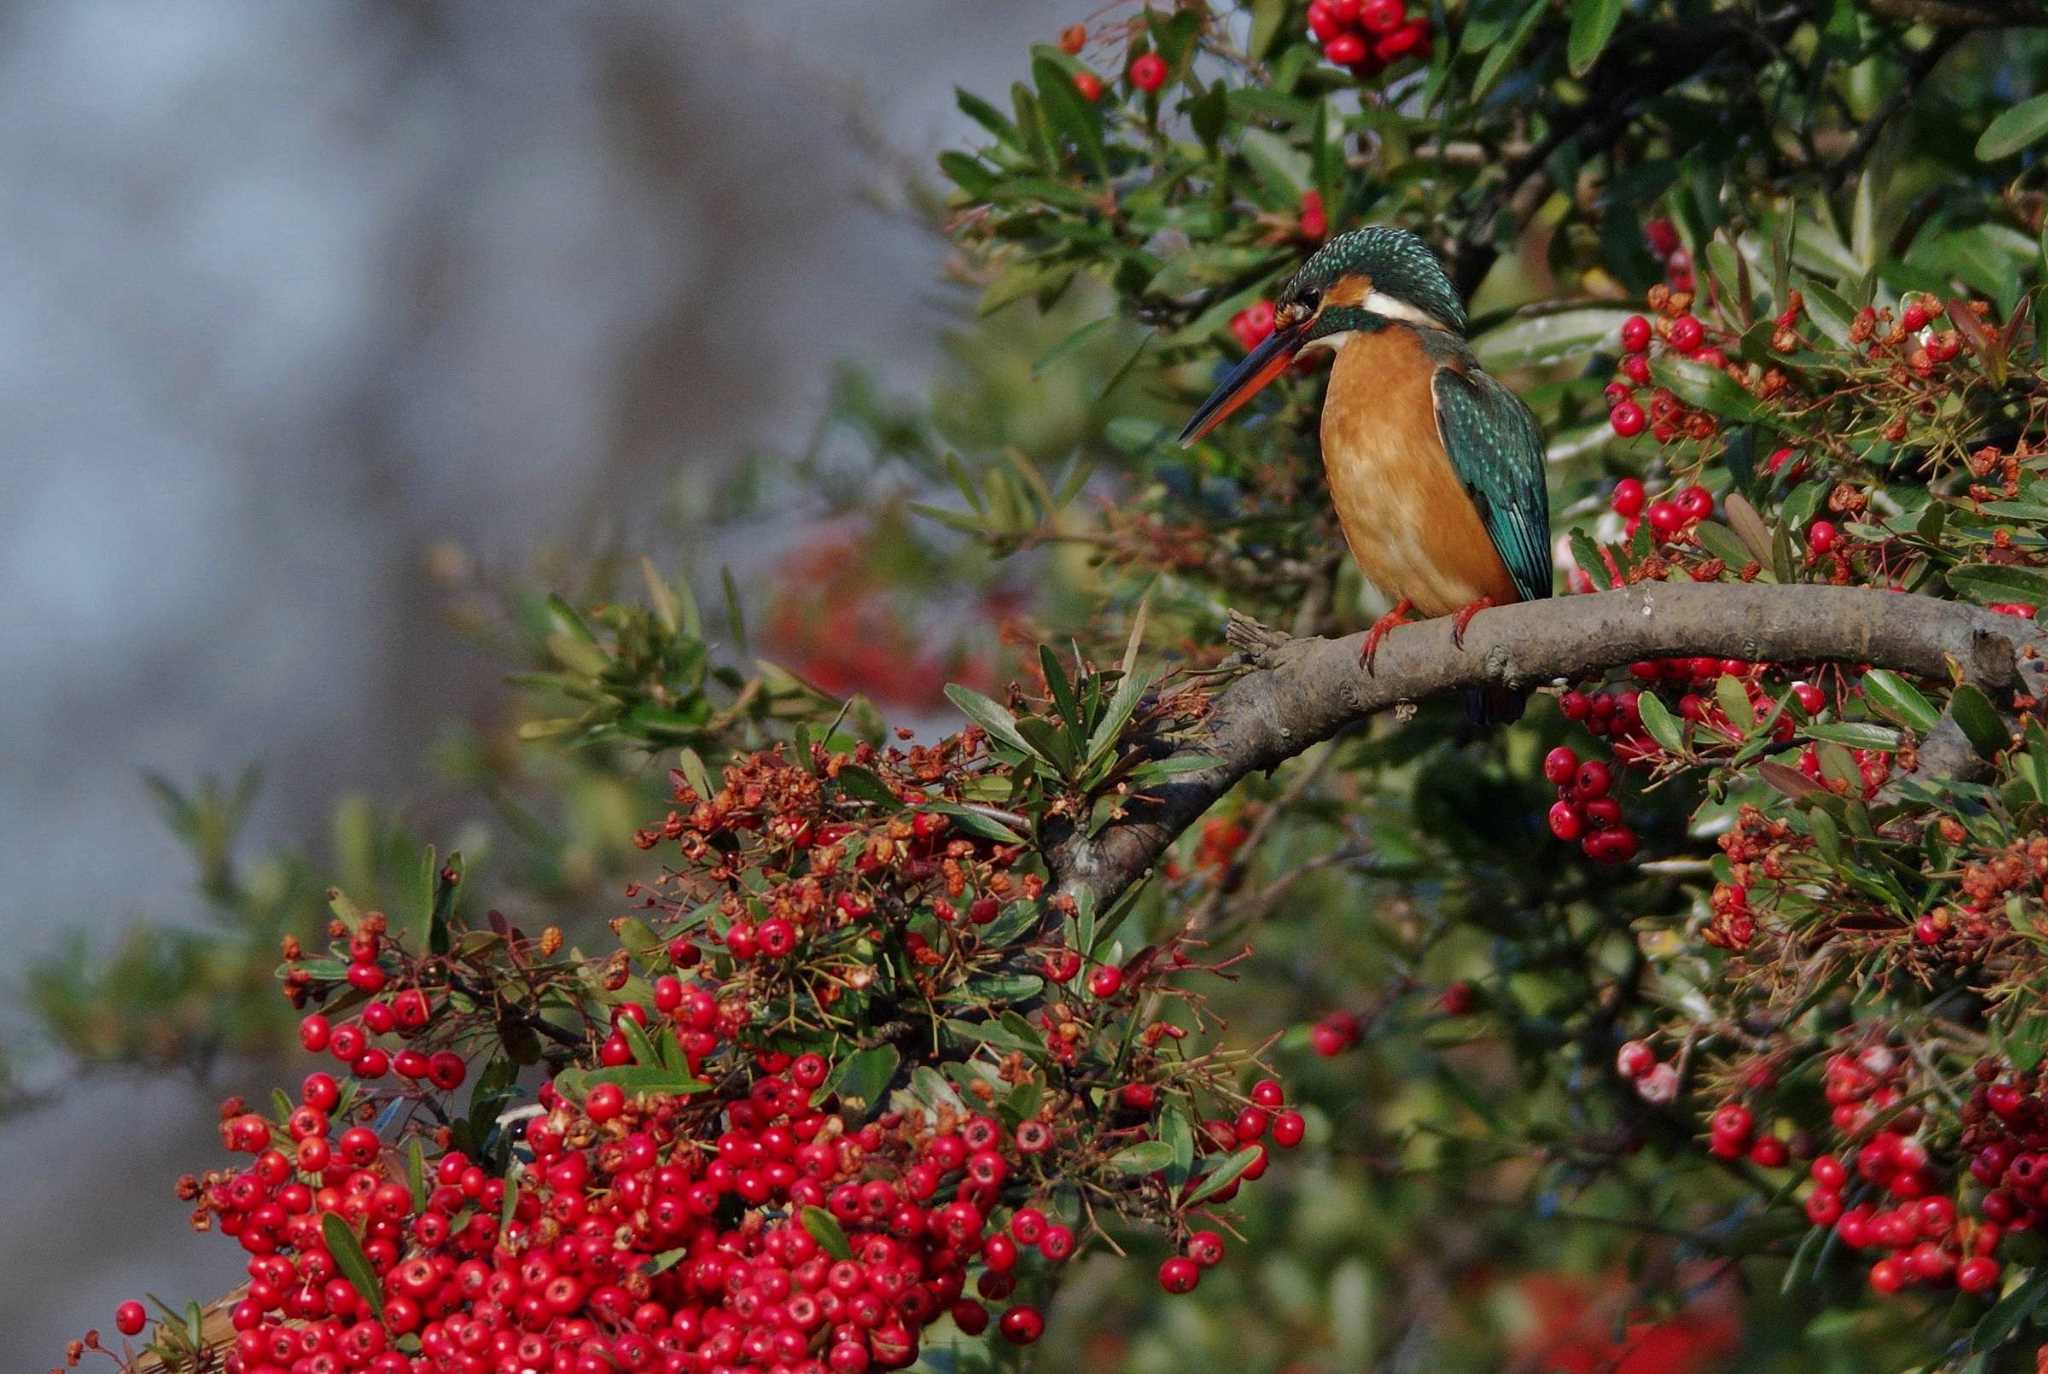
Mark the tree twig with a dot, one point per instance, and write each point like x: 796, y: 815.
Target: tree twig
x: 1302, y: 691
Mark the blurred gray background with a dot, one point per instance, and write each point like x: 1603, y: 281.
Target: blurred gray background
x: 297, y: 293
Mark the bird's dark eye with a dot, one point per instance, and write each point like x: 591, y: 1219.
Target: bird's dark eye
x: 1309, y: 300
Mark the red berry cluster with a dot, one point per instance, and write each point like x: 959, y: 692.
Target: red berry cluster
x: 1334, y: 1033
x: 407, y: 1015
x: 1584, y: 812
x: 1907, y: 1214
x: 1368, y: 36
x: 1682, y: 334
x: 1655, y: 1082
x: 1671, y: 517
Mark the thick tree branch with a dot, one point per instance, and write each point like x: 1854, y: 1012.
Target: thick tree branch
x: 1303, y: 691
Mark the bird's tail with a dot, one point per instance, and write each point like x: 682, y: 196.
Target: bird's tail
x: 1494, y: 704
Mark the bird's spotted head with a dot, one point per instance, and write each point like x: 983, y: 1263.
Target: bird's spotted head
x: 1359, y: 282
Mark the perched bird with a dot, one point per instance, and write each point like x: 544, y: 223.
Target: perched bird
x: 1435, y: 468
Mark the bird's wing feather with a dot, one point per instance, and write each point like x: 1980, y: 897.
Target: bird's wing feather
x: 1496, y: 447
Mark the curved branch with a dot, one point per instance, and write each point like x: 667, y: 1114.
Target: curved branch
x: 1301, y: 692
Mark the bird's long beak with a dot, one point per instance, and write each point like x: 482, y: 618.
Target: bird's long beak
x: 1245, y: 381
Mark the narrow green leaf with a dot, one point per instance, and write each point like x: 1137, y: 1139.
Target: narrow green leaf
x: 1980, y: 721
x: 1146, y: 1157
x: 1990, y: 583
x: 1586, y: 554
x: 1593, y: 24
x: 1500, y: 54
x: 866, y: 1076
x: 825, y: 1230
x: 1224, y: 1175
x: 1733, y: 699
x: 2018, y: 127
x: 993, y: 718
x: 1856, y: 734
x: 1896, y: 699
x: 352, y: 1262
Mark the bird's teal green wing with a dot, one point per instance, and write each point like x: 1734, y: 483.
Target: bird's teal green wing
x: 1496, y: 447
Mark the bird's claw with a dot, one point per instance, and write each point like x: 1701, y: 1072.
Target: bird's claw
x: 1464, y: 618
x: 1378, y: 632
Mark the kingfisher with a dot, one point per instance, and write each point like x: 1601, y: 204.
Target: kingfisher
x: 1435, y: 468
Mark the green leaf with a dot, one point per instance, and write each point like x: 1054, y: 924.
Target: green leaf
x: 632, y: 1079
x: 1146, y: 1157
x: 1593, y: 24
x: 978, y: 823
x: 1657, y: 719
x: 993, y: 718
x: 1734, y: 702
x: 825, y: 1230
x: 1281, y: 168
x: 1980, y: 721
x: 1500, y: 54
x: 1061, y: 349
x: 1724, y: 544
x: 416, y: 1175
x: 1896, y: 699
x: 864, y: 784
x: 352, y: 1262
x: 866, y: 1076
x: 1224, y: 1175
x: 1176, y: 1132
x: 1267, y: 16
x: 1710, y: 389
x: 1071, y: 115
x: 2010, y: 1313
x: 1989, y: 583
x: 1856, y: 734
x: 1537, y: 339
x: 986, y: 115
x: 1586, y: 554
x: 2021, y: 126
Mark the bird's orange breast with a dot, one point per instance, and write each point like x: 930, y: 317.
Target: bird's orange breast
x: 1405, y: 514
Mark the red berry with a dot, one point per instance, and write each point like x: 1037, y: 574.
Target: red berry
x: 1073, y: 38
x: 1148, y: 74
x: 1334, y: 1034
x: 606, y: 1101
x: 1288, y: 1129
x: 1382, y: 16
x: 1179, y: 1275
x: 1139, y: 1097
x: 1635, y: 333
x: 1559, y: 765
x: 1456, y: 998
x: 130, y: 1317
x: 1810, y: 698
x: 1733, y: 1119
x: 1205, y: 1248
x: 1567, y: 823
x: 1626, y: 419
x: 1827, y: 1172
x: 1686, y: 333
x: 1977, y: 1274
x: 1635, y: 1059
x: 1323, y: 22
x: 1268, y: 1093
x: 1345, y: 49
x: 314, y: 1033
x: 1106, y: 982
x: 1090, y: 87
x: 1914, y: 319
x: 1627, y: 498
x: 1593, y: 779
x: 1820, y: 536
x: 1666, y: 519
x: 1022, y: 1325
x: 1695, y: 503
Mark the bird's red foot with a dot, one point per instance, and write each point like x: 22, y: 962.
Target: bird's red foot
x: 1378, y: 632
x: 1464, y: 618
